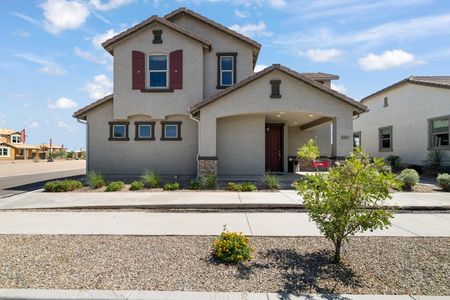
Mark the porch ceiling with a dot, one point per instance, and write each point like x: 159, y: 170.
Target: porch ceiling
x: 292, y: 119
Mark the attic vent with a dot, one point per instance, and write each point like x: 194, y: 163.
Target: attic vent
x: 157, y: 36
x: 386, y: 102
x: 275, y: 89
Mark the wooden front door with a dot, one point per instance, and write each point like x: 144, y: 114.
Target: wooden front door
x: 274, y: 153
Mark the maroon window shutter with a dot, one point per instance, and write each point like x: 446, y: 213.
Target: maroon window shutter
x: 176, y: 69
x: 138, y: 62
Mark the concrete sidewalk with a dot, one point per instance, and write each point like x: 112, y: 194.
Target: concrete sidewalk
x: 253, y: 224
x: 196, y: 199
x: 184, y: 295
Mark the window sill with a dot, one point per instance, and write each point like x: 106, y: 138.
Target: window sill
x: 385, y: 150
x: 275, y: 96
x: 157, y: 90
x: 118, y: 139
x: 170, y: 139
x: 222, y: 87
x: 144, y: 139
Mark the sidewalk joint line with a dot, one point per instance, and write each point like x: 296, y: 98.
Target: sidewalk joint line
x: 239, y: 196
x: 248, y: 223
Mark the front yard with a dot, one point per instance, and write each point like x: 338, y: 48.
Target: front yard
x: 375, y: 265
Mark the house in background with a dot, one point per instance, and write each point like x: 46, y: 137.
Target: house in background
x: 408, y: 119
x: 187, y: 102
x: 12, y: 145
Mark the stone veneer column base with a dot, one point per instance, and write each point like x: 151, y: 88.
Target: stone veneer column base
x: 207, y: 164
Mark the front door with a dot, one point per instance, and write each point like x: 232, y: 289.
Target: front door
x: 274, y: 155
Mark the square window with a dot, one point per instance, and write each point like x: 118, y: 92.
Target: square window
x: 171, y: 131
x: 144, y: 131
x: 119, y: 131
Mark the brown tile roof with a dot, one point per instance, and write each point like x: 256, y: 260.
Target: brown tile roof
x: 22, y: 146
x: 299, y: 76
x: 183, y: 10
x: 80, y: 114
x: 109, y: 44
x: 7, y: 131
x: 320, y: 76
x: 433, y: 81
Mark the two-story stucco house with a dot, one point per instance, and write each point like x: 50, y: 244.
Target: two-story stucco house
x: 186, y: 101
x: 407, y: 119
x: 12, y: 145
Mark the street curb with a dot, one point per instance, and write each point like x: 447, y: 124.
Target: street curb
x: 40, y: 294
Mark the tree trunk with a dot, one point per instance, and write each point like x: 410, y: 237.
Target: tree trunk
x: 337, y: 251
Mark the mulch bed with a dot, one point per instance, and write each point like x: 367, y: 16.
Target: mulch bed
x: 371, y: 265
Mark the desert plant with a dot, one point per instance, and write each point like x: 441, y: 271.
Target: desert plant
x: 172, y: 186
x: 208, y: 181
x: 115, y: 186
x: 346, y: 200
x: 96, y: 180
x: 409, y: 177
x: 271, y: 181
x: 443, y: 181
x: 309, y: 151
x: 232, y: 247
x: 435, y: 159
x: 240, y: 187
x: 151, y: 179
x: 195, y: 184
x: 394, y: 161
x: 62, y: 185
x: 136, y: 185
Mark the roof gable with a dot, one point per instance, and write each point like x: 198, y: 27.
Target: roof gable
x: 360, y: 107
x: 109, y: 44
x: 81, y: 113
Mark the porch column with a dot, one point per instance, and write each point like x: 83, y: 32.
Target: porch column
x: 207, y: 135
x: 342, y: 136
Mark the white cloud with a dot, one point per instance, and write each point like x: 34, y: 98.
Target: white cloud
x: 252, y: 29
x: 387, y: 60
x: 89, y: 56
x: 48, y: 66
x: 21, y: 33
x: 100, y: 87
x: 339, y: 88
x: 61, y: 124
x: 98, y: 39
x: 62, y: 103
x: 108, y: 5
x: 27, y: 18
x: 323, y: 55
x: 277, y: 3
x: 241, y: 14
x: 260, y: 68
x: 61, y: 15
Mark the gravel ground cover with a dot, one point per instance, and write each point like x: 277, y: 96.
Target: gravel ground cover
x: 388, y: 265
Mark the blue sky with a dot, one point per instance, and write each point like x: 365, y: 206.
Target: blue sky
x: 51, y: 61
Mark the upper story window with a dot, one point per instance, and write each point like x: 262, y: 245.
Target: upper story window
x: 439, y: 133
x: 15, y: 139
x: 157, y: 70
x: 385, y: 138
x: 226, y: 69
x: 386, y: 102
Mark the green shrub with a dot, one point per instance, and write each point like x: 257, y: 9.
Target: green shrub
x: 409, y: 177
x: 151, y: 179
x: 240, y: 187
x: 195, y: 184
x: 394, y: 161
x: 272, y: 182
x: 208, y: 181
x: 444, y: 181
x: 62, y: 185
x: 232, y: 247
x: 435, y: 160
x: 136, y: 185
x: 115, y: 186
x: 172, y: 186
x: 96, y: 180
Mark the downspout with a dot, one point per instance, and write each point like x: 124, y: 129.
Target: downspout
x: 84, y: 122
x: 191, y: 116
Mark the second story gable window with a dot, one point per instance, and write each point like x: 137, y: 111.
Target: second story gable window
x: 226, y: 69
x: 15, y: 139
x: 157, y: 70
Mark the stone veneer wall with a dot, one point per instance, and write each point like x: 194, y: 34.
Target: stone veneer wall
x: 207, y: 165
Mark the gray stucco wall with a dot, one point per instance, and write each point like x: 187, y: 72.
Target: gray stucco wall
x: 221, y: 42
x: 322, y: 135
x: 241, y: 145
x: 410, y: 107
x: 133, y: 157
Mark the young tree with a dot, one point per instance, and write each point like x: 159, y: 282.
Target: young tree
x: 346, y: 200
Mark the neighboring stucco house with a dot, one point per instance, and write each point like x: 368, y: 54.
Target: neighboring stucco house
x: 407, y: 119
x: 186, y: 101
x: 12, y: 145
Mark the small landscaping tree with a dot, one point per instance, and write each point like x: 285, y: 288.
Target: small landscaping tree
x: 346, y: 200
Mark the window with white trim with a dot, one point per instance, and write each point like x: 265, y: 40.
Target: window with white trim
x: 439, y: 133
x: 158, y: 75
x: 144, y: 131
x: 119, y: 131
x: 226, y: 70
x: 171, y: 131
x: 15, y: 139
x: 4, y: 151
